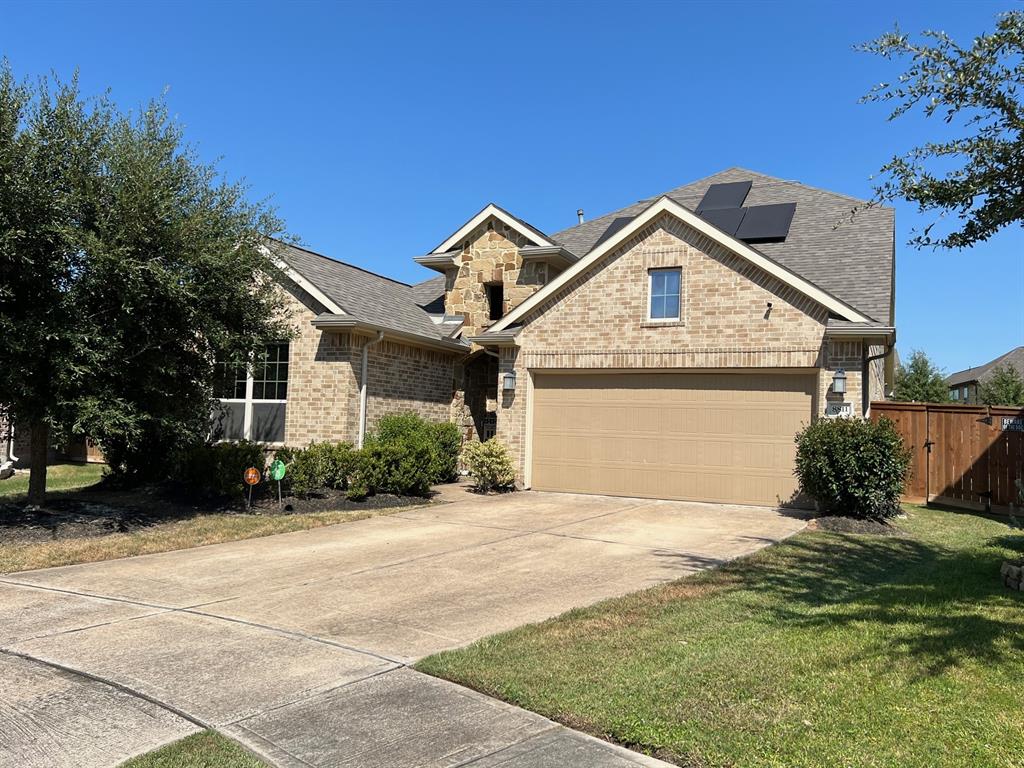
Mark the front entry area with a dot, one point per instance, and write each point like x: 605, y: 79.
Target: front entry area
x: 717, y: 437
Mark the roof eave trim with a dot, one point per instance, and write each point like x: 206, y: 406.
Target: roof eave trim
x: 349, y: 323
x: 505, y: 339
x: 665, y: 204
x: 307, y: 285
x: 557, y: 255
x: 869, y: 331
x: 439, y: 262
x: 492, y: 210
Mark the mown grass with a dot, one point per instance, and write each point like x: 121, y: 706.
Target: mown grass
x: 59, y: 477
x: 207, y: 749
x: 826, y: 650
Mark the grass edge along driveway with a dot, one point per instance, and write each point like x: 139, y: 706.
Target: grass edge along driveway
x: 197, y: 531
x: 206, y: 749
x: 825, y: 650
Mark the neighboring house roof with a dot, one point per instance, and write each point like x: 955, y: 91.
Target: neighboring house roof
x: 367, y: 297
x: 666, y: 205
x: 1014, y: 359
x: 848, y: 255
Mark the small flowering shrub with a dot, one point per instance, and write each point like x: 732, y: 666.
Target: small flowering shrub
x: 490, y: 465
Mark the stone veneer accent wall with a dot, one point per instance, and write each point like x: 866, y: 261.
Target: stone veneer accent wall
x: 490, y: 254
x: 323, y: 380
x: 598, y: 320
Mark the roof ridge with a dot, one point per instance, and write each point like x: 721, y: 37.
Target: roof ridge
x: 343, y: 263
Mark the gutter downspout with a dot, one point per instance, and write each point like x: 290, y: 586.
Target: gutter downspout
x: 865, y: 393
x: 362, y: 387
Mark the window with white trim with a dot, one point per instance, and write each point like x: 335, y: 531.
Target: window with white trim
x: 664, y: 294
x: 253, y: 399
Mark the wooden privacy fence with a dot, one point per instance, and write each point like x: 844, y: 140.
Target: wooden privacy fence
x: 964, y: 455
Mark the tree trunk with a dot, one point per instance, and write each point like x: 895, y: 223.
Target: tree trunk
x: 38, y: 452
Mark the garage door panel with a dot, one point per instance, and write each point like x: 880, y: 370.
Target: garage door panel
x: 711, y: 437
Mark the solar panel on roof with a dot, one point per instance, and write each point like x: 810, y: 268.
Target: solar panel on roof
x: 726, y: 219
x: 721, y: 196
x: 765, y: 223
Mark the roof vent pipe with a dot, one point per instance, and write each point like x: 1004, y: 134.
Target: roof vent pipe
x: 579, y: 214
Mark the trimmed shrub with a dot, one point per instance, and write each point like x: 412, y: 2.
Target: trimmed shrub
x: 401, y: 467
x: 490, y: 465
x: 321, y: 466
x: 447, y: 440
x: 442, y: 440
x: 215, y: 470
x: 853, y: 468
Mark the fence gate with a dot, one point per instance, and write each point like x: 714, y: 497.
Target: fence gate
x: 963, y: 455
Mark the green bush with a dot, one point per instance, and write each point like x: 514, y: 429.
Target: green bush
x: 490, y: 465
x: 397, y: 466
x: 215, y: 470
x: 320, y: 466
x: 852, y: 467
x: 447, y: 441
x: 442, y: 440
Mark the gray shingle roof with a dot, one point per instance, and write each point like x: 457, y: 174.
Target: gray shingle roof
x: 1014, y: 358
x: 430, y: 295
x: 850, y: 257
x: 366, y: 296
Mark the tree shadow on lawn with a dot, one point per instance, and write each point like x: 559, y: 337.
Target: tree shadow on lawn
x: 937, y: 606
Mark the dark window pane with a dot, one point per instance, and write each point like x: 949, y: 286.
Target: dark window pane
x: 268, y: 422
x: 228, y: 421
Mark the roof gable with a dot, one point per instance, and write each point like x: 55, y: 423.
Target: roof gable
x: 666, y: 205
x: 849, y: 256
x: 529, y: 232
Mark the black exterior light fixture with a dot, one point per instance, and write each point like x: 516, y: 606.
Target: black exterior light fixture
x: 508, y: 382
x: 839, y: 382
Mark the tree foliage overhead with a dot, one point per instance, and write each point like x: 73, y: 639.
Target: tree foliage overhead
x: 1004, y: 386
x: 978, y: 175
x: 920, y: 381
x: 127, y: 266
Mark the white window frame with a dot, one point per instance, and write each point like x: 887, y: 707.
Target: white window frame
x: 248, y: 401
x: 650, y: 295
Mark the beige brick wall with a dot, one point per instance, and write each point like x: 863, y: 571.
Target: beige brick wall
x: 323, y: 380
x: 599, y: 321
x: 323, y: 391
x: 490, y: 254
x: 406, y: 378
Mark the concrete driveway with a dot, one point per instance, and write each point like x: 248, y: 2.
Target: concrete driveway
x: 298, y: 644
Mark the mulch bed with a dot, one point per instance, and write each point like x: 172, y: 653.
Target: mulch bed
x: 103, y: 511
x: 837, y: 524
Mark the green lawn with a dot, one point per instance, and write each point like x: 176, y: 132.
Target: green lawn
x: 59, y: 477
x: 207, y: 749
x: 827, y: 650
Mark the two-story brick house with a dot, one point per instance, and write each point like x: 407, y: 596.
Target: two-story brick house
x: 669, y: 349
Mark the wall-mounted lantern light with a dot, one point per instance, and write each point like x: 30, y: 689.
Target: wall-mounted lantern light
x: 508, y: 382
x: 839, y: 382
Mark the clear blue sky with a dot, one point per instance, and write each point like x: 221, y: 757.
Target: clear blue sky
x: 378, y: 129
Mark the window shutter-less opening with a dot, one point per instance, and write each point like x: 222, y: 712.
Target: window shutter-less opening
x: 252, y: 405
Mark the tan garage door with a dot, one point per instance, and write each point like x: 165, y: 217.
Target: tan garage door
x: 707, y: 437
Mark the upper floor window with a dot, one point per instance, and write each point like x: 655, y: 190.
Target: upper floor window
x: 495, y: 301
x: 664, y: 294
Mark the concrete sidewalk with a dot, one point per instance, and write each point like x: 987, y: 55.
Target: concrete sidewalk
x: 297, y: 644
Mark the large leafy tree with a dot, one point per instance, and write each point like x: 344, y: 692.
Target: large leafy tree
x: 976, y: 173
x: 127, y: 266
x: 920, y: 381
x: 1005, y: 386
